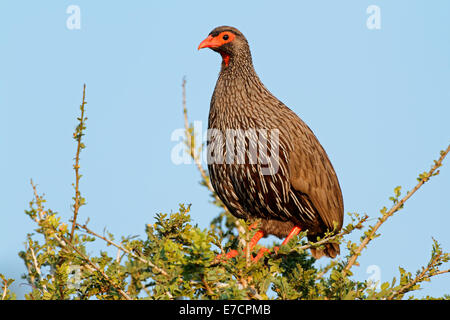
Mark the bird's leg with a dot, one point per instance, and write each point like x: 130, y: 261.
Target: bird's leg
x: 253, y: 242
x: 258, y: 235
x: 295, y: 231
x: 260, y: 254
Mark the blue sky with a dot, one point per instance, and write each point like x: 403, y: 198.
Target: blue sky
x: 378, y: 100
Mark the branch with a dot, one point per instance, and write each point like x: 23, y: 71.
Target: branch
x: 441, y: 272
x: 65, y: 243
x: 332, y: 237
x: 5, y: 289
x: 38, y: 200
x: 77, y: 135
x: 191, y: 144
x: 426, y: 273
x: 87, y: 230
x: 397, y: 206
x: 35, y: 264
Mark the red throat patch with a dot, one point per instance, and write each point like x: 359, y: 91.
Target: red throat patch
x: 226, y: 58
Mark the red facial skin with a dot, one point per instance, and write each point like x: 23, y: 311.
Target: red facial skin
x: 218, y: 41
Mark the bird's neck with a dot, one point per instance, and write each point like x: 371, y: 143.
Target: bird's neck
x: 237, y: 89
x: 237, y: 70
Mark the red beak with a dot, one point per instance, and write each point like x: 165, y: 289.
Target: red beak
x: 210, y: 42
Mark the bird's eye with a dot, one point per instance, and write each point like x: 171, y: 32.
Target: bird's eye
x: 225, y: 37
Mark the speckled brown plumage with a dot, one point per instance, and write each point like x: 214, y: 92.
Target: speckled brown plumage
x: 305, y: 190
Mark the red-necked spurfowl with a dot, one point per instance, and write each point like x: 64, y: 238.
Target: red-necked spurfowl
x: 264, y: 162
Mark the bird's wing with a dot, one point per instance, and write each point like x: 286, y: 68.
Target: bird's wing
x: 312, y: 173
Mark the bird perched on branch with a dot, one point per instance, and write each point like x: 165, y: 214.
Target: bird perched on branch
x: 265, y: 163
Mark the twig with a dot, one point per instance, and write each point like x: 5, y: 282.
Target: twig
x: 87, y: 230
x: 118, y: 258
x: 324, y: 240
x: 326, y: 269
x: 35, y: 264
x: 441, y: 272
x: 192, y: 151
x: 65, y: 243
x: 207, y: 287
x: 30, y: 274
x: 36, y: 267
x: 329, y: 238
x: 394, y: 209
x: 38, y: 202
x: 254, y: 293
x: 5, y: 288
x: 419, y: 278
x: 78, y: 134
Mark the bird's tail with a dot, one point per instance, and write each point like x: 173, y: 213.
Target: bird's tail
x: 330, y: 250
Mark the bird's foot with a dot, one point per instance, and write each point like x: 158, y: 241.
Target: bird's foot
x: 260, y: 254
x: 234, y: 253
x: 258, y: 235
x: 230, y: 254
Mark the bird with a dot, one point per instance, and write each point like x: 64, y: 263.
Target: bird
x: 264, y: 162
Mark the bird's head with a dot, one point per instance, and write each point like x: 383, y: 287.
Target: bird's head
x: 228, y: 41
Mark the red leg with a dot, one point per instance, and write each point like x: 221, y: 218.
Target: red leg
x: 260, y: 254
x: 233, y: 253
x: 253, y: 225
x: 258, y: 235
x: 295, y: 231
x: 230, y: 254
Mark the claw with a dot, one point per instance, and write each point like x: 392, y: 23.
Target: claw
x: 230, y: 254
x: 233, y: 253
x: 260, y: 254
x: 258, y: 235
